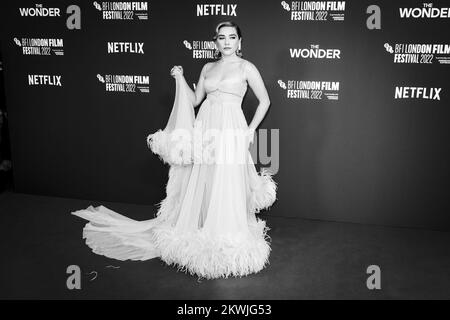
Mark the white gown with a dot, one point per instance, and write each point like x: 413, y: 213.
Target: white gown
x: 206, y: 225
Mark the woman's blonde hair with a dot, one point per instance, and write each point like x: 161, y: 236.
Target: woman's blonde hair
x: 217, y: 53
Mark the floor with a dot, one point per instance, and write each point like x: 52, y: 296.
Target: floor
x: 309, y: 259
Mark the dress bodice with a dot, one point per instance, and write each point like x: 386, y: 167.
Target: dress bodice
x: 236, y: 85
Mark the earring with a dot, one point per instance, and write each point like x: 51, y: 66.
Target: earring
x: 216, y: 53
x: 239, y: 52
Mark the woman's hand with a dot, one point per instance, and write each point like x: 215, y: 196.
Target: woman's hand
x: 250, y: 135
x: 176, y: 71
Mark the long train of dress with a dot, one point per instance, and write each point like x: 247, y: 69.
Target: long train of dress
x: 207, y: 223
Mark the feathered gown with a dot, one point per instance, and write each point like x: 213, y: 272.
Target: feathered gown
x: 206, y: 225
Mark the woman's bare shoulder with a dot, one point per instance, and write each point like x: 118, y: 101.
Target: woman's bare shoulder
x: 209, y: 65
x: 248, y: 66
x: 205, y: 68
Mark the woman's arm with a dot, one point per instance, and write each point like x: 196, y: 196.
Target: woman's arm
x: 199, y: 94
x: 257, y: 84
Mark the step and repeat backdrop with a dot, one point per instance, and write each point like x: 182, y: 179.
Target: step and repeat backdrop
x: 357, y: 130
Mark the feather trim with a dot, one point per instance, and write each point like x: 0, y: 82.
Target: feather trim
x: 171, y: 149
x: 211, y: 257
x: 265, y: 194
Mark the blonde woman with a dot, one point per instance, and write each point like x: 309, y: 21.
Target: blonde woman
x: 207, y: 223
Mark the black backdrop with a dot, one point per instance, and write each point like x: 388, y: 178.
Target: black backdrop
x: 365, y: 157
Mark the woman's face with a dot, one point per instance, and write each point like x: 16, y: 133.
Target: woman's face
x: 227, y: 41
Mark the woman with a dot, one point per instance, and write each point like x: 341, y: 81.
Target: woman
x: 206, y: 225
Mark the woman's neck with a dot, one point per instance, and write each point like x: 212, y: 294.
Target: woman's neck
x: 230, y: 58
